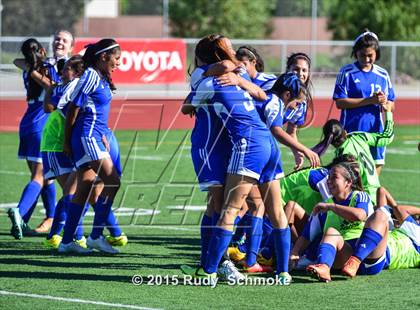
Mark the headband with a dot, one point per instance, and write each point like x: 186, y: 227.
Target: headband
x: 249, y: 51
x: 364, y: 34
x: 107, y: 48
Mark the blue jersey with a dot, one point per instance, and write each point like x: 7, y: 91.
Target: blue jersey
x: 296, y: 115
x: 235, y: 107
x: 264, y: 81
x: 270, y: 111
x: 208, y: 132
x: 362, y: 201
x: 61, y: 94
x: 352, y: 82
x: 93, y: 95
x: 34, y: 119
x: 318, y: 182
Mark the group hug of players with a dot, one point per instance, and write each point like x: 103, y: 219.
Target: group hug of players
x: 319, y: 218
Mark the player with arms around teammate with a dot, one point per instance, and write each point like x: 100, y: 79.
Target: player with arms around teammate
x: 361, y: 90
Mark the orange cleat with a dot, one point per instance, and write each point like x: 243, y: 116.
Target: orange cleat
x: 45, y: 226
x: 257, y: 268
x: 351, y: 266
x: 321, y: 271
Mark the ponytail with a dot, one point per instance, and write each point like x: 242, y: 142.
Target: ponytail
x: 334, y: 134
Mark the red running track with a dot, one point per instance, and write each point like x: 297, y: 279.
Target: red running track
x: 165, y: 113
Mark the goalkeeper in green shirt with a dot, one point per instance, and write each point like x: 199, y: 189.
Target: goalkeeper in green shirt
x: 358, y: 144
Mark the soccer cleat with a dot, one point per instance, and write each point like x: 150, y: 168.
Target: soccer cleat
x: 303, y: 262
x: 101, y: 245
x: 257, y: 268
x: 351, y: 266
x: 321, y: 271
x: 27, y: 230
x: 73, y: 247
x: 188, y: 270
x: 284, y: 278
x: 264, y: 261
x: 206, y: 279
x: 45, y: 226
x: 117, y: 241
x: 16, y: 219
x: 82, y: 242
x: 235, y: 254
x: 228, y: 272
x: 53, y: 242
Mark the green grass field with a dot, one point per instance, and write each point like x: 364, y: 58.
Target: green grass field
x: 158, y: 185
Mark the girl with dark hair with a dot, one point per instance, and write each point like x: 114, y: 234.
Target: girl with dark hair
x: 362, y: 89
x: 345, y: 219
x: 358, y: 144
x: 86, y: 124
x: 35, y: 76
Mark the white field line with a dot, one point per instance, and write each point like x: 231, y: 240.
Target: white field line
x: 75, y: 300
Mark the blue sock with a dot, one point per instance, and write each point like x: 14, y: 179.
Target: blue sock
x: 326, y: 254
x: 79, y: 230
x: 112, y: 225
x: 281, y: 237
x: 28, y: 214
x: 74, y: 213
x: 368, y: 241
x: 217, y: 247
x: 48, y: 197
x: 29, y: 197
x: 102, y: 207
x: 215, y: 219
x: 240, y: 228
x: 267, y: 229
x: 60, y: 216
x: 205, y: 232
x: 311, y: 251
x: 253, y: 239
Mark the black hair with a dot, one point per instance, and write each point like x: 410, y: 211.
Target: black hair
x: 94, y: 51
x: 288, y: 82
x: 77, y: 64
x: 252, y: 54
x: 333, y: 133
x: 365, y: 40
x: 34, y: 55
x: 291, y: 60
x: 351, y: 174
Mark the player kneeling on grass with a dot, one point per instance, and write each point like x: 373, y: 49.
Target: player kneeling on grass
x: 344, y: 222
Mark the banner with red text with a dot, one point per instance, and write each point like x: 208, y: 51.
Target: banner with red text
x: 147, y: 61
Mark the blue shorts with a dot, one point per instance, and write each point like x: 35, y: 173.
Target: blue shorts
x: 87, y: 149
x: 374, y: 268
x: 257, y: 157
x: 56, y: 164
x: 274, y: 168
x: 29, y: 147
x: 210, y: 168
x: 378, y: 154
x: 114, y: 151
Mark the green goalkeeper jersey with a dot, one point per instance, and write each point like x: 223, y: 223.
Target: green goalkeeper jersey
x: 53, y: 133
x: 358, y: 144
x: 402, y: 252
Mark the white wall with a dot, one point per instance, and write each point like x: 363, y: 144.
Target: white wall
x: 102, y: 8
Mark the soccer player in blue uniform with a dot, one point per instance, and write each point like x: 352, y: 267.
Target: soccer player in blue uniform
x: 86, y: 124
x: 361, y: 89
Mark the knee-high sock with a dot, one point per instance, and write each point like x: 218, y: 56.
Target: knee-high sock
x: 29, y: 197
x: 48, y: 197
x: 74, y: 213
x: 79, y: 230
x: 253, y: 239
x: 28, y: 214
x: 60, y: 216
x: 368, y: 241
x: 217, y: 247
x: 206, y: 232
x: 282, y: 247
x: 267, y: 229
x: 241, y: 228
x: 326, y: 254
x: 102, y: 208
x: 112, y: 225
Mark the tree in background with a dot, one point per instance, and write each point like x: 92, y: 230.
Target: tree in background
x: 39, y: 17
x: 239, y: 19
x: 395, y: 20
